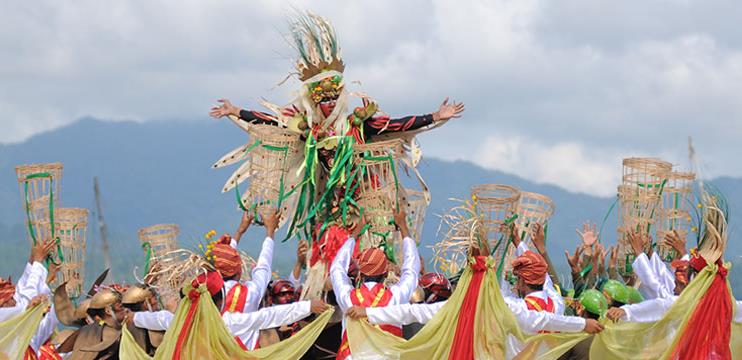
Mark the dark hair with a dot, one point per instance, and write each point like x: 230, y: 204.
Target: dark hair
x: 539, y: 287
x: 101, y: 313
x: 615, y: 303
x: 234, y: 277
x: 590, y: 315
x: 136, y: 307
x: 376, y: 278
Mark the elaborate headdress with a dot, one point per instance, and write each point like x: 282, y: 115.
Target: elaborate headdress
x: 531, y: 267
x: 315, y: 40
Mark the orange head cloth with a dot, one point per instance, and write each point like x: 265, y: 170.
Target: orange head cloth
x: 7, y: 290
x: 681, y: 270
x: 530, y: 267
x: 213, y: 281
x: 372, y: 262
x: 226, y: 258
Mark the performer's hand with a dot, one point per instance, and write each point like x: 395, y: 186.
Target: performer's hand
x: 301, y: 252
x: 599, y: 258
x: 677, y: 242
x: 41, y: 250
x: 318, y: 306
x: 356, y: 312
x: 36, y: 300
x: 225, y: 109
x: 448, y: 111
x: 592, y: 326
x: 512, y: 231
x: 247, y: 218
x: 638, y: 240
x: 538, y: 236
x: 52, y: 273
x: 589, y: 233
x: 400, y: 220
x: 171, y: 304
x: 271, y: 223
x: 615, y: 313
x: 613, y: 260
x: 574, y: 260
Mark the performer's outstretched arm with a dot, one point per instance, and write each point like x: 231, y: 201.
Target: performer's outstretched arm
x: 341, y: 284
x: 410, y: 266
x: 381, y: 124
x: 255, y: 117
x: 153, y: 320
x: 261, y: 274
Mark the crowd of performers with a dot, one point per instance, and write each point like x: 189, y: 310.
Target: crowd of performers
x: 264, y: 310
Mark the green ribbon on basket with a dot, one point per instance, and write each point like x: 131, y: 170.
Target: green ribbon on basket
x: 508, y: 221
x: 147, y: 247
x: 31, y: 231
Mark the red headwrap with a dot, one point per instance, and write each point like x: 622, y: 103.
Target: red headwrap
x: 213, y: 281
x: 226, y: 258
x: 372, y: 262
x: 436, y: 285
x: 681, y: 270
x: 7, y: 290
x: 282, y: 292
x: 530, y: 267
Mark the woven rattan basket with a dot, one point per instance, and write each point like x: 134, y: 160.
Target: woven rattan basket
x: 39, y: 186
x: 70, y: 227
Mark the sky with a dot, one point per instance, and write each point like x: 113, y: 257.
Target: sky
x: 556, y: 91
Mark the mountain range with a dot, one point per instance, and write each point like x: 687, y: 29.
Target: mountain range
x: 160, y: 172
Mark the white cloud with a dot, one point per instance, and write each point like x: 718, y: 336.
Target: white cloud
x: 566, y: 164
x: 578, y: 77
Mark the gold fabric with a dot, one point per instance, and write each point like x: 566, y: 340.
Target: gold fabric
x: 209, y: 338
x: 16, y: 332
x: 496, y: 331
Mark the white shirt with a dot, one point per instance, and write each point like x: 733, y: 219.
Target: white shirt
x: 246, y: 326
x: 401, y: 291
x: 26, y: 289
x: 529, y: 321
x: 655, y: 278
x: 653, y: 310
x: 548, y: 292
x: 261, y: 276
x: 48, y: 323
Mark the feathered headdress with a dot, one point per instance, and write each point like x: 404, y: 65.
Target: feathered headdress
x: 314, y: 38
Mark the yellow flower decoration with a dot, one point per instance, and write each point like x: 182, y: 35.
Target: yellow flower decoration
x: 694, y: 229
x: 699, y: 205
x: 200, y: 246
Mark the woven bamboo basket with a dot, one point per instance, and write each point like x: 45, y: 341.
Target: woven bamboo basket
x: 532, y: 208
x: 39, y: 186
x: 70, y: 227
x: 416, y: 206
x: 640, y: 200
x: 273, y: 151
x: 496, y: 203
x: 676, y: 208
x: 159, y: 239
x: 378, y: 191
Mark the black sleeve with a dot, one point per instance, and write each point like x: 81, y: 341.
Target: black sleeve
x: 375, y: 125
x: 257, y: 117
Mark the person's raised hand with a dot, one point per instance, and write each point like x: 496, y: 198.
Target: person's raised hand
x: 574, y: 260
x: 301, y: 252
x: 538, y: 236
x: 225, y: 108
x: 271, y: 223
x: 589, y: 233
x: 613, y: 260
x: 448, y: 111
x: 615, y: 313
x: 674, y: 240
x: 637, y: 240
x: 35, y: 301
x: 41, y: 250
x: 400, y: 220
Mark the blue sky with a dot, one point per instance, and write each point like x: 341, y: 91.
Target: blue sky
x: 557, y: 92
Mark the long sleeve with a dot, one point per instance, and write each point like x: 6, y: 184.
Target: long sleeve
x: 650, y: 286
x: 738, y: 312
x: 648, y: 311
x: 403, y: 314
x: 665, y: 277
x: 296, y: 283
x: 261, y: 276
x: 257, y: 117
x: 548, y: 287
x: 29, y: 284
x: 9, y: 312
x: 382, y: 124
x: 243, y: 324
x: 535, y: 321
x: 409, y: 272
x: 46, y: 328
x: 341, y: 284
x: 153, y: 320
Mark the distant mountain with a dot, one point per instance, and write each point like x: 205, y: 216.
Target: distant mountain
x: 159, y: 172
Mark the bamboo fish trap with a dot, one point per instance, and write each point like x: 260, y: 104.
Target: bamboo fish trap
x: 158, y: 240
x: 269, y: 154
x: 70, y: 227
x: 496, y: 204
x: 532, y: 208
x: 640, y: 201
x: 416, y: 205
x: 676, y: 207
x: 378, y: 189
x: 39, y: 186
